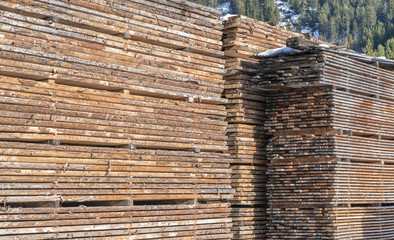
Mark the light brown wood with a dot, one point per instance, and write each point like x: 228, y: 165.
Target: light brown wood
x: 112, y: 121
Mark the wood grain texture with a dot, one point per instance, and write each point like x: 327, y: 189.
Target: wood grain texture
x: 330, y: 117
x: 112, y: 121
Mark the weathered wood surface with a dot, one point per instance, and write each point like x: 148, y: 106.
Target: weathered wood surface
x: 294, y: 113
x: 246, y: 114
x: 246, y: 144
x: 41, y: 172
x: 300, y: 43
x: 364, y: 222
x: 331, y: 151
x: 208, y: 221
x: 70, y: 52
x: 249, y: 184
x: 245, y: 37
x: 328, y: 68
x: 106, y: 104
x: 102, y: 21
x: 249, y: 222
x: 300, y: 223
x: 325, y: 184
x: 247, y: 139
x: 245, y: 109
x: 356, y: 222
x: 74, y: 114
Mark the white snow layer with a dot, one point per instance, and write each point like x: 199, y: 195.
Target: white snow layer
x: 227, y: 16
x: 224, y: 7
x: 276, y: 51
x: 324, y: 45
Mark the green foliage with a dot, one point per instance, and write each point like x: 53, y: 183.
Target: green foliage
x: 390, y: 48
x: 369, y: 48
x: 365, y: 24
x: 381, y: 51
x: 263, y: 10
x: 210, y: 3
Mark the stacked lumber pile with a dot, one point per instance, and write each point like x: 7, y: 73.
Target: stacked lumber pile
x: 243, y: 38
x: 330, y: 117
x: 107, y: 104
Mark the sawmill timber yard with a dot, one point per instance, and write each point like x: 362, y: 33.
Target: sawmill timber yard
x: 154, y: 119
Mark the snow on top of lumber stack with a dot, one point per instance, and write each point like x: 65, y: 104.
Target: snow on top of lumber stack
x: 227, y: 17
x: 276, y: 51
x: 299, y: 45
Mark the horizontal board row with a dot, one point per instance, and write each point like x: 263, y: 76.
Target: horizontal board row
x: 319, y: 146
x: 315, y: 108
x: 370, y: 222
x: 37, y: 111
x: 367, y: 222
x: 329, y: 183
x: 247, y: 144
x: 47, y: 173
x: 249, y: 222
x: 326, y: 67
x: 207, y: 221
x: 248, y: 182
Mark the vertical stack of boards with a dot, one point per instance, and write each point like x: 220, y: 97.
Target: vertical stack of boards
x: 112, y: 121
x: 330, y: 115
x: 243, y: 38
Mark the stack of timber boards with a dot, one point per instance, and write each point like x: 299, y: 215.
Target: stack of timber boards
x: 201, y: 221
x: 330, y: 117
x: 243, y: 38
x: 112, y: 121
x: 109, y: 45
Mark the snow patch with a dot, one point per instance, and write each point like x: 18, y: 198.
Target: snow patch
x: 285, y: 13
x: 283, y: 6
x: 324, y: 45
x: 315, y: 34
x: 224, y: 7
x: 295, y: 17
x: 289, y: 19
x: 227, y: 16
x: 276, y: 51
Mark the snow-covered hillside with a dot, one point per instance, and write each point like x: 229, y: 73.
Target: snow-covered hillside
x: 290, y: 20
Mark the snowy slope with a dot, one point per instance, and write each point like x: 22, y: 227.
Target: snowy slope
x: 290, y: 20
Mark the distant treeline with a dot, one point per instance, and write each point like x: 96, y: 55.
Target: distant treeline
x: 365, y: 25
